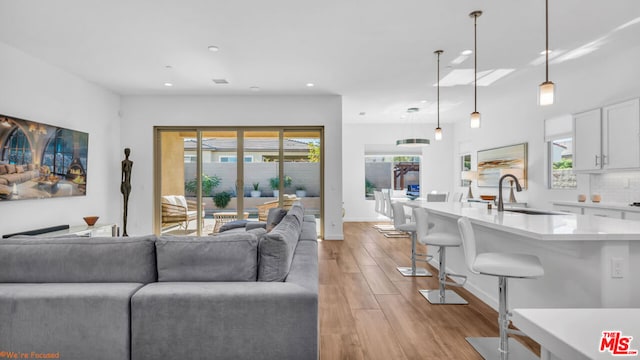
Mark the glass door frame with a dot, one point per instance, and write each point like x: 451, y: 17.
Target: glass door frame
x: 240, y: 131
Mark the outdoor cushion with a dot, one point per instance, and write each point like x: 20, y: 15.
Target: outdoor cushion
x: 223, y: 257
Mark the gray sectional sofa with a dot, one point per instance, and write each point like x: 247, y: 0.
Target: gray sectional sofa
x: 242, y: 295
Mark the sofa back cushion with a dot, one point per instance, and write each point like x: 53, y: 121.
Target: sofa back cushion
x: 11, y: 168
x: 74, y: 260
x: 277, y: 248
x: 19, y: 169
x: 3, y: 169
x: 223, y: 257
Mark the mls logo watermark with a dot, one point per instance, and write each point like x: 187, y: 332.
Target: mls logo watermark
x: 617, y: 344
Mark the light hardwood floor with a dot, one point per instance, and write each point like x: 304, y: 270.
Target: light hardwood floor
x: 368, y: 310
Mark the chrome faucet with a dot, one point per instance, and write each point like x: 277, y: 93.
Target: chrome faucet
x: 518, y: 188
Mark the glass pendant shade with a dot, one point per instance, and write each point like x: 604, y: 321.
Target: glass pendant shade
x: 546, y: 93
x: 475, y: 120
x: 438, y: 134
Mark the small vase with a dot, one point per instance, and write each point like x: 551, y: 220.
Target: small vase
x: 255, y: 193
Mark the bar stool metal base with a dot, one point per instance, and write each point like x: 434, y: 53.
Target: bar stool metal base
x: 408, y: 271
x: 487, y: 347
x: 450, y: 297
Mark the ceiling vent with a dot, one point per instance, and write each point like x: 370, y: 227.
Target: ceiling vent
x: 220, y: 81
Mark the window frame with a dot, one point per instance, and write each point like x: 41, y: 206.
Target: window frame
x: 550, y: 160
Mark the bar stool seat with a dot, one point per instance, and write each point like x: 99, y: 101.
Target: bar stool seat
x: 503, y: 266
x: 442, y: 240
x: 509, y: 265
x: 400, y: 223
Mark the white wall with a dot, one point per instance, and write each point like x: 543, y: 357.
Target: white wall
x: 34, y: 90
x: 514, y: 117
x: 142, y: 113
x: 435, y: 171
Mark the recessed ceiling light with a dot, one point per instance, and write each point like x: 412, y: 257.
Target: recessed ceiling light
x: 467, y: 52
x: 310, y: 85
x: 168, y: 84
x: 220, y: 81
x: 254, y: 88
x: 213, y: 48
x: 423, y: 101
x: 362, y: 113
x: 168, y: 67
x: 543, y: 52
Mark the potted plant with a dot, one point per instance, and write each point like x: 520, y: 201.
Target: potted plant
x: 222, y: 199
x: 275, y: 184
x: 208, y: 184
x: 255, y: 192
x: 301, y: 191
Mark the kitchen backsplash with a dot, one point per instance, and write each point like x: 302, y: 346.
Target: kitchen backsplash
x: 623, y: 187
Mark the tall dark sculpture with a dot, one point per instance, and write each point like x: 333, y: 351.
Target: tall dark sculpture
x: 125, y: 187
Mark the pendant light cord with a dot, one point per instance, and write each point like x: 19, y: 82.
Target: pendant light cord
x: 546, y: 9
x: 475, y: 63
x: 438, y: 52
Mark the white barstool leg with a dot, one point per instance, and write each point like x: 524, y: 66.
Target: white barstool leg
x: 502, y: 347
x: 413, y: 270
x: 442, y: 296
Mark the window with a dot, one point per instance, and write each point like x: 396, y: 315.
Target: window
x: 561, y: 175
x: 233, y: 159
x: 395, y: 172
x: 17, y: 149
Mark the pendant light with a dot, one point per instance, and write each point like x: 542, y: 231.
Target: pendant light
x: 475, y: 115
x: 412, y: 142
x: 438, y: 133
x: 547, y: 88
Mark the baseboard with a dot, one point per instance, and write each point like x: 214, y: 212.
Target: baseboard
x: 334, y: 237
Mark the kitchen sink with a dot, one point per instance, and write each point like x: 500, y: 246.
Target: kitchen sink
x: 535, y: 212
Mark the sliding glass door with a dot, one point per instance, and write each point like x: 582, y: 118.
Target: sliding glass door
x: 207, y: 177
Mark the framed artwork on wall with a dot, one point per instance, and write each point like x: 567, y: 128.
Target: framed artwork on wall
x: 39, y: 161
x: 496, y: 161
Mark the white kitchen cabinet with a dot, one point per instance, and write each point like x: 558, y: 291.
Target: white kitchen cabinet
x: 621, y: 135
x: 603, y: 212
x: 587, y: 135
x: 607, y: 138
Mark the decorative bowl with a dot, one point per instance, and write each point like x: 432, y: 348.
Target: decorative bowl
x: 488, y: 197
x: 91, y: 220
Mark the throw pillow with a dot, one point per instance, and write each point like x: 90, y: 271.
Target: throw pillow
x: 274, y: 217
x: 233, y: 225
x: 11, y: 168
x: 3, y: 169
x: 19, y: 169
x: 31, y: 167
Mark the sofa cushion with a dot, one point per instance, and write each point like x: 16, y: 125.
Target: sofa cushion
x: 11, y: 168
x: 233, y: 225
x: 76, y: 321
x: 5, y: 191
x: 31, y: 167
x: 309, y: 231
x: 224, y: 257
x: 298, y: 211
x: 75, y: 260
x: 274, y: 216
x: 3, y: 169
x: 276, y: 249
x: 224, y: 321
x: 19, y: 169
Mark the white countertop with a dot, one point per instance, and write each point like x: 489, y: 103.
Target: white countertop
x: 601, y: 205
x: 565, y: 227
x: 576, y: 333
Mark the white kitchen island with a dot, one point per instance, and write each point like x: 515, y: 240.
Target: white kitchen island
x: 589, y: 261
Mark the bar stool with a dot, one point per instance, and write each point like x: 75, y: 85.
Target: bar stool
x: 400, y: 223
x: 442, y: 240
x: 504, y: 266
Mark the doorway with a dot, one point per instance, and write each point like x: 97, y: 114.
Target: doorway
x: 209, y: 176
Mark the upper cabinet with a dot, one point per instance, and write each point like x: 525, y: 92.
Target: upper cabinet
x: 621, y: 135
x: 587, y: 141
x: 608, y: 138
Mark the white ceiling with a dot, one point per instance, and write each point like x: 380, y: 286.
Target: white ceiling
x: 377, y: 54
